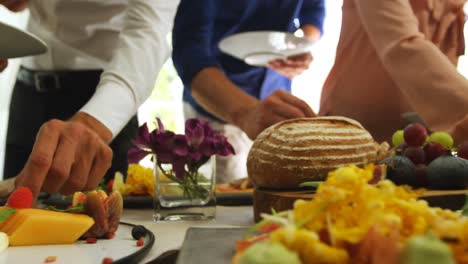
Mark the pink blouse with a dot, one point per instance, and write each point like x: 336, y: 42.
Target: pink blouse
x: 398, y: 56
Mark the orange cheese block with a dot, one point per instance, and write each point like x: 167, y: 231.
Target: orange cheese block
x: 44, y: 227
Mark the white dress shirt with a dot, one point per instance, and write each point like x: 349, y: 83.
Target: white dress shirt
x: 125, y: 38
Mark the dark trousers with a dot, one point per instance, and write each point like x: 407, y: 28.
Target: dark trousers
x: 30, y: 107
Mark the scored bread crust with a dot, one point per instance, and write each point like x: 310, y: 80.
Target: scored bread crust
x: 306, y: 149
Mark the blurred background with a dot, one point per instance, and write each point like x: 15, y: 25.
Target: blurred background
x: 166, y: 101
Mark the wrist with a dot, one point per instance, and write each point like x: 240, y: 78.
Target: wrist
x: 239, y: 114
x: 94, y: 124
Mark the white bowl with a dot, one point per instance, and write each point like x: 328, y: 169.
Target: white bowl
x: 18, y: 43
x: 257, y: 48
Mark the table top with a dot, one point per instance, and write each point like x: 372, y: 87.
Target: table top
x: 170, y: 234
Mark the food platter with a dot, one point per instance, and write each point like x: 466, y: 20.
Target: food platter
x: 122, y: 249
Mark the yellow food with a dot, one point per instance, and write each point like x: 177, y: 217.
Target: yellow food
x: 347, y: 211
x: 44, y: 227
x: 140, y: 181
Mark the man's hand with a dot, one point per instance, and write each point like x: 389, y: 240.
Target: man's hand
x: 66, y: 157
x: 279, y: 106
x: 15, y: 5
x: 3, y: 64
x: 292, y: 66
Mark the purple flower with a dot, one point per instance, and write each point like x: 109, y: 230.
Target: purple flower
x: 180, y: 145
x: 142, y: 139
x: 188, y: 151
x: 134, y: 155
x: 195, y: 131
x: 178, y: 166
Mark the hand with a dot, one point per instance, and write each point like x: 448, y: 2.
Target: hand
x: 66, y: 157
x: 15, y: 5
x: 279, y: 106
x: 292, y: 66
x: 3, y: 64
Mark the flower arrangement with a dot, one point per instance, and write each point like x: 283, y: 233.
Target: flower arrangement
x: 185, y: 152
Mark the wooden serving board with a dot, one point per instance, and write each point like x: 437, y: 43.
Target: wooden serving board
x: 266, y: 200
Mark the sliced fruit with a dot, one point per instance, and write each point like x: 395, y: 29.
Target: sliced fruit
x: 44, y: 227
x: 106, y: 212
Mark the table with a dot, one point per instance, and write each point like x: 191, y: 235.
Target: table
x: 170, y: 235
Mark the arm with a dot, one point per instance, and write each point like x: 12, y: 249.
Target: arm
x: 139, y: 57
x: 311, y: 18
x: 73, y: 155
x: 200, y: 70
x: 221, y: 97
x: 424, y: 74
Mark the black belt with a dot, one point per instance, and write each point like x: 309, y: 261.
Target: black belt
x: 54, y: 81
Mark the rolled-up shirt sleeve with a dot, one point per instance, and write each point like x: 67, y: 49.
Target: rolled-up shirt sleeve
x: 191, y: 38
x: 130, y: 77
x: 313, y: 13
x: 428, y: 79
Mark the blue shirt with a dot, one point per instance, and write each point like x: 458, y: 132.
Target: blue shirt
x: 201, y: 24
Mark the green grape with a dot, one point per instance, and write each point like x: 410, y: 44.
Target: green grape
x: 397, y: 138
x: 442, y: 138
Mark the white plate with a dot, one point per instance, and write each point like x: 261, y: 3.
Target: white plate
x: 122, y: 249
x: 257, y: 48
x: 18, y: 43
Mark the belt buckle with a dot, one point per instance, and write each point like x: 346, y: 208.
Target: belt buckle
x: 46, y: 82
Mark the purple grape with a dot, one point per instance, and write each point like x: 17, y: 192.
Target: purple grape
x: 415, y: 154
x: 433, y: 150
x: 462, y: 150
x: 415, y: 134
x: 400, y: 148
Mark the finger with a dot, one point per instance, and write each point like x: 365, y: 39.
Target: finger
x: 64, y: 157
x: 16, y: 5
x: 301, y: 57
x: 41, y: 157
x: 3, y: 64
x: 274, y: 63
x: 297, y: 102
x: 101, y: 164
x: 274, y: 105
x: 80, y: 170
x: 289, y: 64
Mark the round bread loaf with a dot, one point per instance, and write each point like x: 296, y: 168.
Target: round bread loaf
x: 306, y: 149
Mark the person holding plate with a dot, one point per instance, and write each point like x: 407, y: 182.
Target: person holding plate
x: 238, y: 99
x: 395, y: 57
x: 73, y: 109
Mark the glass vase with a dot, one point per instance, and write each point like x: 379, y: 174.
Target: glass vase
x: 191, y: 197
